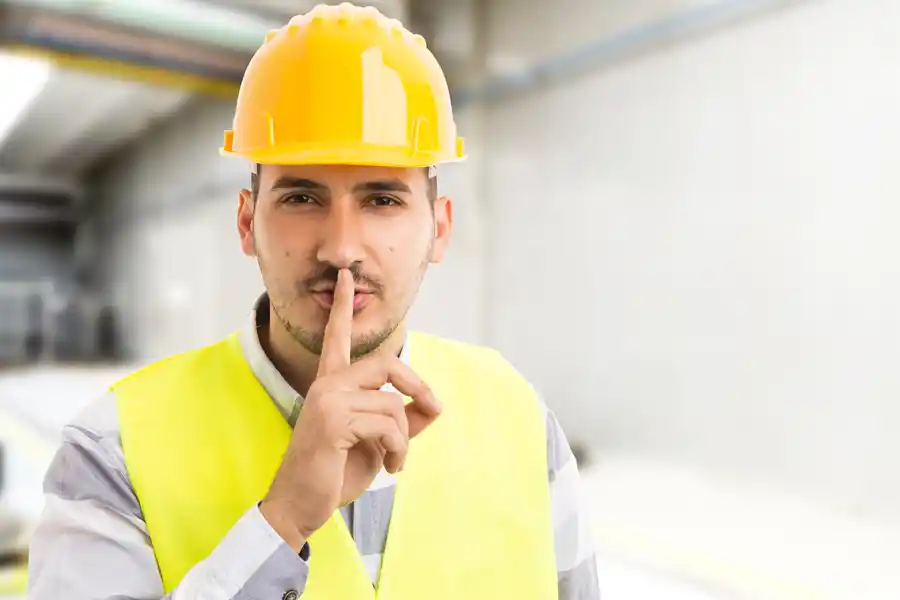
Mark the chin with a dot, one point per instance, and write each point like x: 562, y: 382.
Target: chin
x: 370, y: 329
x: 371, y: 335
x: 367, y: 343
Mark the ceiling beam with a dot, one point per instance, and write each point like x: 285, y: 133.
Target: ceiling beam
x: 121, y: 51
x: 262, y: 12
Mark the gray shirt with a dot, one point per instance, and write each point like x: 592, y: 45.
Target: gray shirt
x: 92, y: 543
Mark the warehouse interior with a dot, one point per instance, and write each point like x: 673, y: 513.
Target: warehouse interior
x: 678, y: 219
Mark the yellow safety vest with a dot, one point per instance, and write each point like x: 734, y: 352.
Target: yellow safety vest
x: 471, y: 517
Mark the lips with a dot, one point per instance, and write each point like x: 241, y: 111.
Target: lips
x: 325, y: 298
x: 330, y: 290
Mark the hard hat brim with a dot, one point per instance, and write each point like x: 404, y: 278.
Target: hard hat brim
x: 357, y: 155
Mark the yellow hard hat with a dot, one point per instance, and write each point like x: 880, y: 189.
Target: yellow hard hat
x: 344, y: 85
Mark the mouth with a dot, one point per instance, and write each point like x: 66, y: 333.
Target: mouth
x: 325, y: 298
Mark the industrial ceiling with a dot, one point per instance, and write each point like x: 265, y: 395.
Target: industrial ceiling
x: 89, y: 106
x: 119, y: 66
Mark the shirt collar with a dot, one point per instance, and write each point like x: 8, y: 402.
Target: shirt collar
x: 286, y: 399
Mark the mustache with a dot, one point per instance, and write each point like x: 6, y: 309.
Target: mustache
x: 329, y: 274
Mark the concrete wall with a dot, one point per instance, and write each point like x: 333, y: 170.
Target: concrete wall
x: 693, y: 253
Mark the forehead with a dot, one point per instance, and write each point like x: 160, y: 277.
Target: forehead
x: 340, y: 178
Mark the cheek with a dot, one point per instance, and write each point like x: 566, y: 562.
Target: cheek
x: 276, y: 239
x: 404, y: 258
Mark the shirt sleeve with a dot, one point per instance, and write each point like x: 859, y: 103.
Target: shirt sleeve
x: 91, y: 542
x: 576, y: 563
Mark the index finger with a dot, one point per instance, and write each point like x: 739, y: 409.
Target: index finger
x: 336, y: 342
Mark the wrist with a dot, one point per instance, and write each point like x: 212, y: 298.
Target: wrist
x: 281, y: 523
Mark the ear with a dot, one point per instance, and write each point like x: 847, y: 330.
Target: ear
x: 443, y: 228
x: 245, y: 215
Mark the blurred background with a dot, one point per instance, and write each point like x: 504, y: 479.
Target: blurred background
x: 679, y: 219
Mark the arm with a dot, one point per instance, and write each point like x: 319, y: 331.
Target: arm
x: 92, y: 543
x: 575, y: 559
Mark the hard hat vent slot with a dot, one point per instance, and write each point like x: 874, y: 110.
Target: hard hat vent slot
x: 423, y: 138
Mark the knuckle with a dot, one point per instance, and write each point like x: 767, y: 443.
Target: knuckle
x: 397, y: 405
x: 395, y: 438
x: 396, y: 400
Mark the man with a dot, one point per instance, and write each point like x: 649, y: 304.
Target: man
x: 324, y: 451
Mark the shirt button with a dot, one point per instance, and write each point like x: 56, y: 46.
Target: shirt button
x: 290, y: 595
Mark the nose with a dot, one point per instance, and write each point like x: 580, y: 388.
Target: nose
x: 341, y: 237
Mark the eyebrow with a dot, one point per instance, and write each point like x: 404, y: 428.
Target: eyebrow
x: 383, y: 185
x: 288, y: 182
x: 292, y: 183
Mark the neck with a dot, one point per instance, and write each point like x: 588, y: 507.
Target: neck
x: 298, y: 365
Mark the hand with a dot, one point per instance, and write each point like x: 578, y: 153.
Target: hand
x: 348, y: 428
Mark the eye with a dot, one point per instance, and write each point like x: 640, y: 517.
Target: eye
x: 298, y: 199
x: 384, y: 201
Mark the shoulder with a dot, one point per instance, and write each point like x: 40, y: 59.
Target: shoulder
x: 96, y: 423
x: 90, y: 444
x: 89, y: 464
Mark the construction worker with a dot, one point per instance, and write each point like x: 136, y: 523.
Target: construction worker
x: 324, y: 451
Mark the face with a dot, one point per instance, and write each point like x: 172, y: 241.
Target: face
x: 308, y: 222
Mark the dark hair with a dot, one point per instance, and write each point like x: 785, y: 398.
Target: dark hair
x: 432, y: 184
x: 254, y: 183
